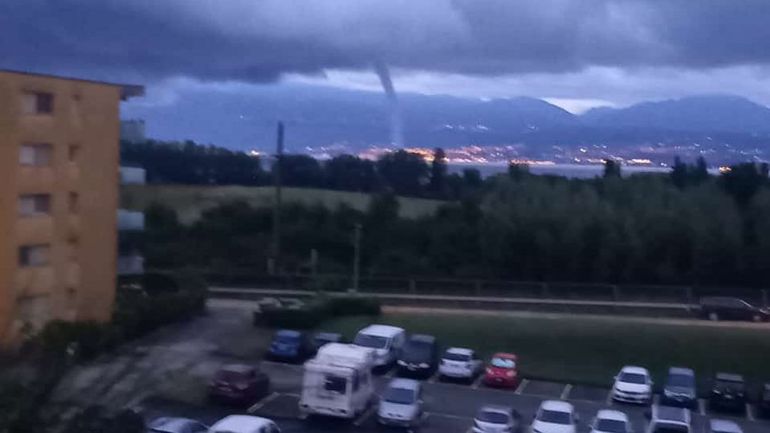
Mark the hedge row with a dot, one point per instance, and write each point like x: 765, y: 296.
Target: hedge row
x: 311, y: 314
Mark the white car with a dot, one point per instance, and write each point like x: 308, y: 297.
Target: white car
x: 667, y: 419
x: 460, y: 363
x: 724, y: 426
x: 401, y: 404
x: 555, y: 416
x: 633, y: 385
x: 496, y: 419
x: 244, y: 424
x: 610, y: 421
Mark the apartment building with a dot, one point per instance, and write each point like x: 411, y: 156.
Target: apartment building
x: 59, y: 158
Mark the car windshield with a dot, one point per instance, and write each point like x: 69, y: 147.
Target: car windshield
x: 635, y: 378
x: 493, y: 417
x: 417, y: 350
x: 554, y: 417
x: 335, y: 384
x: 399, y: 395
x: 681, y: 380
x: 667, y: 428
x: 610, y: 426
x: 503, y: 362
x: 231, y: 376
x: 451, y: 356
x: 729, y: 385
x: 373, y: 341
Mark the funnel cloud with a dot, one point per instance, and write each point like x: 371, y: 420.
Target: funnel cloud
x: 396, y: 121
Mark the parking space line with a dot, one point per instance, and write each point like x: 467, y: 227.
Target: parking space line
x: 477, y: 382
x: 522, y: 385
x: 446, y: 415
x: 702, y: 406
x: 258, y: 405
x: 750, y: 412
x: 364, y: 416
x: 656, y: 399
x: 565, y: 393
x: 434, y: 378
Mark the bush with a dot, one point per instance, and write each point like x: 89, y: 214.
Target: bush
x: 312, y: 314
x: 88, y: 339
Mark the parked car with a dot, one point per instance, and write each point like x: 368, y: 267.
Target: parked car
x: 502, y: 370
x: 727, y: 308
x: 728, y: 392
x: 764, y: 401
x: 238, y: 383
x: 321, y: 338
x: 610, y: 421
x: 633, y: 385
x: 680, y: 389
x: 401, y: 404
x: 723, y: 426
x: 387, y: 342
x: 668, y: 419
x: 555, y: 416
x: 419, y: 358
x: 289, y: 345
x: 244, y: 424
x: 176, y: 425
x: 496, y: 419
x: 459, y: 363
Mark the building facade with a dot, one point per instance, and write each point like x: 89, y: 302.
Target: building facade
x: 59, y: 158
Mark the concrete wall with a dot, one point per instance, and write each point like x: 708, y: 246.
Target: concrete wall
x: 79, y: 281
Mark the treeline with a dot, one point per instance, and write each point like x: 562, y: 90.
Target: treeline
x: 400, y: 172
x: 683, y: 228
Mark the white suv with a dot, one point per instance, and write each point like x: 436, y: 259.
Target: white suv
x: 633, y: 385
x: 460, y: 363
x: 666, y: 419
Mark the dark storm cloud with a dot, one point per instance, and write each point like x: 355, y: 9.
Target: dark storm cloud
x: 258, y: 40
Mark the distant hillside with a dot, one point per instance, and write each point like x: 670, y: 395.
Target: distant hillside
x: 697, y: 113
x: 190, y: 201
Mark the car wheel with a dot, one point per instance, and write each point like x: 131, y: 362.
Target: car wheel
x: 714, y: 317
x: 757, y: 318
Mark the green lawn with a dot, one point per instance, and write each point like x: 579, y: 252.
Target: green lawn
x: 190, y: 200
x: 590, y: 350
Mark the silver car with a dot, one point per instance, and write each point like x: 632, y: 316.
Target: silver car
x: 401, y: 404
x: 176, y: 425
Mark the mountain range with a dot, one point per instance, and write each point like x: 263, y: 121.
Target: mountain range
x: 318, y: 116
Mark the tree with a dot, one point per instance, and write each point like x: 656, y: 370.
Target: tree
x: 405, y: 173
x: 438, y: 173
x: 350, y: 173
x: 742, y: 182
x: 700, y: 172
x: 518, y: 171
x: 301, y: 170
x: 679, y: 173
x: 611, y: 168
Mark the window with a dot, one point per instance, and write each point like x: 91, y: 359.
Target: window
x: 73, y: 202
x: 34, y: 204
x: 335, y: 384
x: 37, y: 103
x: 35, y: 154
x: 34, y: 255
x: 73, y: 152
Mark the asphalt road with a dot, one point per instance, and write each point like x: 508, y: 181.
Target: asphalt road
x: 449, y: 407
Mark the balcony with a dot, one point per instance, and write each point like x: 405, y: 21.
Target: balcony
x: 132, y: 176
x: 130, y: 265
x: 130, y: 220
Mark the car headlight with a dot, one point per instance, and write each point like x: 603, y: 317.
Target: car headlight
x: 424, y: 365
x: 510, y: 373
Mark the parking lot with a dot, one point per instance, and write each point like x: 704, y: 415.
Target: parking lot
x: 449, y: 407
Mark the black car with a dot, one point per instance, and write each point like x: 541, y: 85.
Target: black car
x: 419, y: 357
x: 726, y: 308
x: 764, y: 401
x: 679, y: 389
x: 728, y: 392
x: 322, y: 338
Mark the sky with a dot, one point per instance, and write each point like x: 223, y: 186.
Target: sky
x: 574, y: 53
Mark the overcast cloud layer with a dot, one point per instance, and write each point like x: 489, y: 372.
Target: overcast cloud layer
x: 261, y: 40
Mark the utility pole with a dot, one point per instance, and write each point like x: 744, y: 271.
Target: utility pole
x: 356, y: 256
x: 274, y: 266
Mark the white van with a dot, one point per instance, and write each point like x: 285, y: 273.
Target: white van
x: 387, y: 342
x: 338, y: 381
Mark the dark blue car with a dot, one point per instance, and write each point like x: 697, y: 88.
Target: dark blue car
x: 288, y: 345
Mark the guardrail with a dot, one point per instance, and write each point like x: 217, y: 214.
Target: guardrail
x: 482, y: 289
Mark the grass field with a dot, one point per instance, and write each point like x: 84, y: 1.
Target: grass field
x: 581, y: 350
x: 190, y: 201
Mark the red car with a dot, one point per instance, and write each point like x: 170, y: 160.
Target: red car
x: 239, y: 384
x: 502, y: 371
